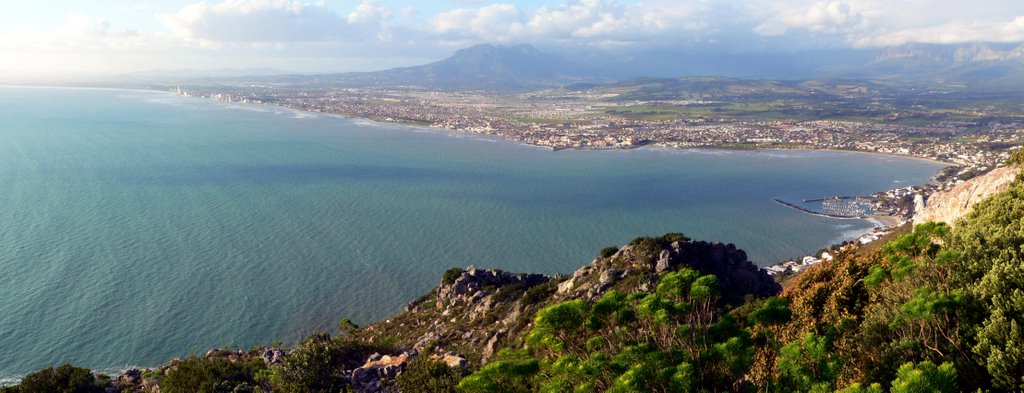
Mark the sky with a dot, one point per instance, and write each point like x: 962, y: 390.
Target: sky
x: 45, y: 37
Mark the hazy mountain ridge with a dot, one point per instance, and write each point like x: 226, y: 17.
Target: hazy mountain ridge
x: 480, y: 67
x: 996, y: 66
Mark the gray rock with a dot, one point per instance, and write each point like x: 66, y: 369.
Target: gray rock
x: 490, y: 348
x: 609, y: 277
x: 664, y: 261
x: 272, y: 356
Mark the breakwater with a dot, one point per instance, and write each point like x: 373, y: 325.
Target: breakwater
x: 836, y: 197
x: 819, y: 214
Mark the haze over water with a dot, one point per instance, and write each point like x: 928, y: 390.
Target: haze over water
x: 139, y: 226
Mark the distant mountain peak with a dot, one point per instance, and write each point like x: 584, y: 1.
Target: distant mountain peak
x: 489, y: 66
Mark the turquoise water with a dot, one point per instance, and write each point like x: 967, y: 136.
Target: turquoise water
x: 139, y: 226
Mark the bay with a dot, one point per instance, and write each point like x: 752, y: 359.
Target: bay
x: 139, y: 226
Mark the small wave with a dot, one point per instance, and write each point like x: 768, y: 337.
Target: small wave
x: 849, y: 234
x: 165, y: 101
x: 711, y: 152
x: 7, y: 381
x: 783, y: 156
x: 249, y: 108
x: 118, y: 370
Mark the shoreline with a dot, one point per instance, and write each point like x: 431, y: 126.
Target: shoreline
x: 877, y: 220
x: 496, y: 137
x: 880, y: 224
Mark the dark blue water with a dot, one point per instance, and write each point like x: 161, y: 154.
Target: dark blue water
x: 138, y: 226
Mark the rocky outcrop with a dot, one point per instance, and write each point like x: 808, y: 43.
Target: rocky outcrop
x: 478, y: 312
x: 737, y: 276
x: 949, y: 206
x: 639, y: 268
x: 470, y: 311
x: 472, y: 281
x: 374, y: 375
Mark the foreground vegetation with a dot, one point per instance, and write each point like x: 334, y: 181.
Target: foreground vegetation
x: 938, y: 309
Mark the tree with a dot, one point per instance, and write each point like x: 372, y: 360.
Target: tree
x: 808, y: 365
x: 991, y: 246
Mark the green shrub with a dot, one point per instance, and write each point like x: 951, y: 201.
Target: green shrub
x: 538, y: 293
x: 63, y: 379
x: 428, y: 376
x: 317, y: 364
x: 609, y: 251
x: 808, y: 364
x: 451, y: 275
x: 202, y: 375
x: 925, y: 377
x: 512, y: 372
x: 774, y: 311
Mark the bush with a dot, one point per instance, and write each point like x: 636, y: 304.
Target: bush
x: 538, y: 293
x: 427, y: 376
x: 512, y: 373
x: 65, y: 378
x: 774, y: 311
x: 925, y: 377
x: 652, y: 245
x: 451, y: 275
x: 808, y: 364
x: 608, y: 251
x: 203, y: 375
x: 317, y: 364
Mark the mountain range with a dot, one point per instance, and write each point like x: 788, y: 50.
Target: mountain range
x: 522, y: 67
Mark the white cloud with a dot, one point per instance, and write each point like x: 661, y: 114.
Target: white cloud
x: 369, y: 11
x: 80, y: 33
x: 826, y: 16
x: 579, y: 21
x: 497, y: 22
x: 270, y: 21
x: 872, y: 23
x: 351, y: 32
x: 948, y: 33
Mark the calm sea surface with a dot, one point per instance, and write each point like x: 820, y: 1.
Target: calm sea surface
x: 139, y: 226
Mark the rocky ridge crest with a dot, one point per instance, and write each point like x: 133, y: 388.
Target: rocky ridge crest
x: 479, y: 311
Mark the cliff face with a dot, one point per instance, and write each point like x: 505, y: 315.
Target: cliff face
x: 949, y: 206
